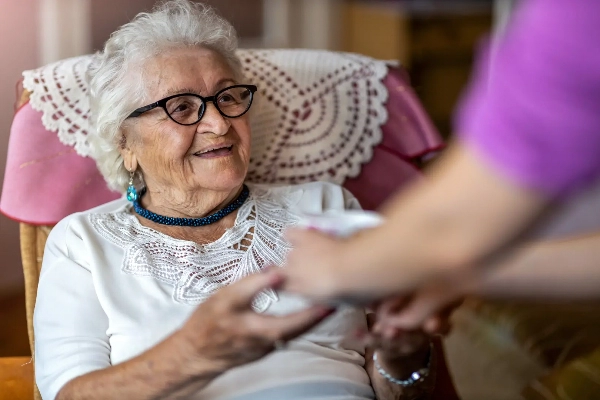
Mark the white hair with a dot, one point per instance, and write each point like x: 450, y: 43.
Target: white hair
x: 113, y: 92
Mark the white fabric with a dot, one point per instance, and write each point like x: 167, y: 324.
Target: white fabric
x: 195, y: 271
x: 91, y: 312
x: 318, y: 114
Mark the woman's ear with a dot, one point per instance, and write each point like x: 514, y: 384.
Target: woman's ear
x: 126, y: 150
x: 129, y: 159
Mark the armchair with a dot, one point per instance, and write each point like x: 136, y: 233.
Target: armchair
x: 350, y: 119
x: 381, y: 127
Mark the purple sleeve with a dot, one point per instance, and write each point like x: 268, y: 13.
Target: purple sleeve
x: 533, y: 108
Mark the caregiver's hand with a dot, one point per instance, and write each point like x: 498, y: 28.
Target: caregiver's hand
x: 428, y: 309
x: 316, y: 267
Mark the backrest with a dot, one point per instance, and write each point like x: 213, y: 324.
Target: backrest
x: 322, y: 115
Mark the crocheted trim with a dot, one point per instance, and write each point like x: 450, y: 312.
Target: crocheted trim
x: 318, y: 113
x: 198, y: 271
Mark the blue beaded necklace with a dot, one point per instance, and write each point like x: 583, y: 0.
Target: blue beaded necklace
x: 160, y: 219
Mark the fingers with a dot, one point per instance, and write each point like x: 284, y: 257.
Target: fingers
x: 412, y: 317
x: 394, y: 304
x: 440, y: 324
x: 400, y: 344
x: 292, y: 325
x: 425, y: 306
x: 389, y: 307
x: 428, y: 310
x: 240, y: 294
x: 437, y: 325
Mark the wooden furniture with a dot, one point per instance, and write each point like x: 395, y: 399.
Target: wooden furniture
x: 17, y: 381
x: 435, y: 41
x: 17, y: 378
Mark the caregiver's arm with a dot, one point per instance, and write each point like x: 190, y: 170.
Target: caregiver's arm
x: 463, y: 213
x: 566, y: 269
x: 529, y: 120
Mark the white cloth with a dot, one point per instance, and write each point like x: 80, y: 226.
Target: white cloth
x: 96, y: 307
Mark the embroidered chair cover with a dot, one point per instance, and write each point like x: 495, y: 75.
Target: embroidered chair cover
x: 321, y: 115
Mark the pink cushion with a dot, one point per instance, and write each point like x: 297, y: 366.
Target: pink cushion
x: 408, y: 135
x: 46, y: 180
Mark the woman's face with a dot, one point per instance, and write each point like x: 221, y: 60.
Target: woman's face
x: 176, y: 157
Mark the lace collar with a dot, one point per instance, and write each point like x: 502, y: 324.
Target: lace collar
x: 197, y: 271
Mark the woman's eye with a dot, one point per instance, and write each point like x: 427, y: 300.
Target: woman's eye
x: 181, y: 108
x: 227, y: 99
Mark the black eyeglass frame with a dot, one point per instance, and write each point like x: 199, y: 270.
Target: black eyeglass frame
x: 162, y: 103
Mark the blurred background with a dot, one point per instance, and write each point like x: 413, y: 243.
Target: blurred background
x: 434, y: 40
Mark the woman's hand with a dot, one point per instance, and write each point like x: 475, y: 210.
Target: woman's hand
x: 222, y: 333
x: 397, y: 346
x: 399, y: 355
x: 225, y: 332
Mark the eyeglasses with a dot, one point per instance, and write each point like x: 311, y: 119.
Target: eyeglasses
x: 188, y: 108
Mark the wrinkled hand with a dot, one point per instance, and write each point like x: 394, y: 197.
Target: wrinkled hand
x: 394, y: 345
x: 399, y: 355
x: 226, y: 332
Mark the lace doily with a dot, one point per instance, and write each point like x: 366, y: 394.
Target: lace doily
x: 197, y: 271
x: 318, y: 116
x: 59, y: 91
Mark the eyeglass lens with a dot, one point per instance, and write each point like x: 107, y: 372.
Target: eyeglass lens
x: 188, y: 110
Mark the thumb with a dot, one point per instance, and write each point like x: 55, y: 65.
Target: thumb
x: 289, y: 326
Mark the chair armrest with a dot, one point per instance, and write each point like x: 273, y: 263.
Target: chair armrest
x: 579, y: 379
x: 16, y: 378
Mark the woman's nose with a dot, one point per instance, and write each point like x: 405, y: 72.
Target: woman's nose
x: 213, y: 122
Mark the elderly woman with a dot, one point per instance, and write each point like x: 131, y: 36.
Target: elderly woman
x: 158, y: 295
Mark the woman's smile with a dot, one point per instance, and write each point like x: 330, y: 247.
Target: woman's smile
x: 215, y: 152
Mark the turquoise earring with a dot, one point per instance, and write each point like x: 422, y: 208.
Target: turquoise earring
x: 132, y: 194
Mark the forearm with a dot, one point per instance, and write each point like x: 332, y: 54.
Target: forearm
x: 554, y: 269
x: 461, y: 215
x: 163, y: 372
